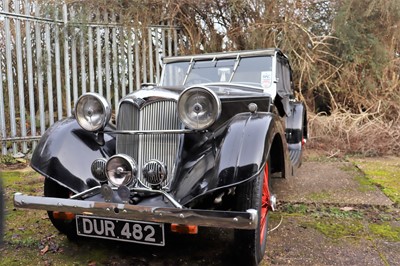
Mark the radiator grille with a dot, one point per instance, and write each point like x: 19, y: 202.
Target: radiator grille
x: 161, y: 115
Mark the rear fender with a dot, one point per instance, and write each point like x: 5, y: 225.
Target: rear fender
x: 296, y: 132
x: 296, y: 124
x: 65, y: 154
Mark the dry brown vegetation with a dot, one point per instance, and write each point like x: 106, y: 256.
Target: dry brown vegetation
x: 347, y: 133
x: 345, y: 55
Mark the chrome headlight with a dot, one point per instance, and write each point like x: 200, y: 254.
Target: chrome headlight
x: 92, y: 111
x: 198, y: 107
x: 121, y: 170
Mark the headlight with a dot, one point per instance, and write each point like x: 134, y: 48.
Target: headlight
x: 92, y: 111
x: 121, y: 170
x: 198, y: 107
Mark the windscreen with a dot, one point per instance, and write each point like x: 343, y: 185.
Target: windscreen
x: 174, y: 73
x: 254, y: 71
x: 210, y: 71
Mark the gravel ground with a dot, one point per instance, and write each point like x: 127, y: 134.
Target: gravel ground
x: 295, y: 244
x: 295, y: 241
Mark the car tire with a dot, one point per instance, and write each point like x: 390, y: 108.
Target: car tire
x: 250, y: 245
x: 53, y: 189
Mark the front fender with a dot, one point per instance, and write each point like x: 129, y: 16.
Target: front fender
x: 65, y: 154
x: 237, y: 157
x: 244, y: 147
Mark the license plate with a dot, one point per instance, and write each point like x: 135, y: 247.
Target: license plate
x: 123, y: 230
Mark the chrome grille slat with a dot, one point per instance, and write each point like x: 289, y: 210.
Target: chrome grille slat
x: 160, y: 115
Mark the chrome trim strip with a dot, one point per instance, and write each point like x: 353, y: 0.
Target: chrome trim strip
x: 226, y: 219
x: 164, y: 193
x: 187, y: 72
x: 134, y: 189
x: 214, y: 56
x: 144, y: 97
x: 83, y: 193
x: 234, y: 68
x: 155, y: 132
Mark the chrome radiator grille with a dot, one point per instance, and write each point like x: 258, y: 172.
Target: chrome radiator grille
x: 161, y: 115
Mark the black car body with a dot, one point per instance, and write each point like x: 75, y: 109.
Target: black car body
x: 197, y: 149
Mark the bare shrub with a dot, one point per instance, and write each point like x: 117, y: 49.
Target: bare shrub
x: 343, y: 132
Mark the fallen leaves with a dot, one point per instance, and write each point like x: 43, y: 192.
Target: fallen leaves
x: 347, y: 209
x: 48, y: 244
x: 44, y: 250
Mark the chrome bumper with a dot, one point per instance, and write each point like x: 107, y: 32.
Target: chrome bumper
x: 238, y: 220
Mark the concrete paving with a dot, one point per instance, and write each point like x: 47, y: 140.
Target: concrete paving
x: 329, y: 182
x: 296, y: 241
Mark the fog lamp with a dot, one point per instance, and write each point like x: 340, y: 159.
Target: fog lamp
x: 121, y: 170
x: 155, y: 173
x: 98, y: 169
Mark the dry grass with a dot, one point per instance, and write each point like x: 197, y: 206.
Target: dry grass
x: 347, y: 133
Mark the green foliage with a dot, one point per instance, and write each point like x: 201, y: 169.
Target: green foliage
x: 365, y: 45
x: 386, y: 231
x: 319, y: 212
x: 319, y: 196
x: 358, y: 41
x: 7, y: 159
x: 295, y: 208
x: 336, y: 212
x: 338, y: 229
x: 385, y: 174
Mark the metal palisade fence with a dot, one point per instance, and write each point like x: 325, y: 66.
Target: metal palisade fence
x: 51, y: 53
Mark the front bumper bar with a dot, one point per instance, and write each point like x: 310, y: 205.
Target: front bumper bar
x: 224, y: 219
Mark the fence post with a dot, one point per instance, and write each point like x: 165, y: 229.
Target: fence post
x: 57, y: 55
x: 114, y: 64
x: 29, y: 68
x: 21, y: 94
x: 45, y: 53
x: 107, y: 58
x: 99, y: 63
x: 2, y: 115
x: 66, y: 60
x: 74, y: 60
x: 10, y: 78
x: 49, y: 74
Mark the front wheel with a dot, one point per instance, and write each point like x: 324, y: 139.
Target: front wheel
x: 250, y: 245
x: 60, y: 221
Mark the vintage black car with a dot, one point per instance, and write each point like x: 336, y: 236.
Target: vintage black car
x: 197, y: 149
